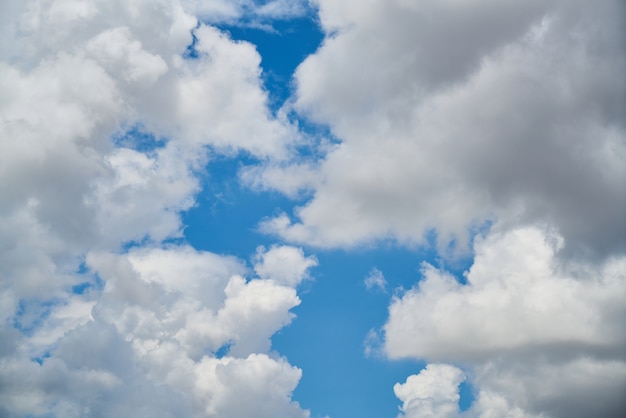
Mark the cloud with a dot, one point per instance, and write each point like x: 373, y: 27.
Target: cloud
x: 283, y: 264
x: 66, y: 186
x: 173, y: 332
x: 432, y: 393
x: 542, y: 334
x: 499, y: 116
x: 515, y: 285
x: 560, y: 391
x: 107, y: 123
x: 469, y: 112
x: 115, y: 48
x: 228, y: 72
x: 375, y: 280
x: 238, y: 11
x: 92, y: 73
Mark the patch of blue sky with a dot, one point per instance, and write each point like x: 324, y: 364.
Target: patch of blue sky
x: 190, y: 51
x: 327, y: 339
x: 467, y: 395
x: 223, y: 350
x: 31, y: 313
x: 226, y: 216
x: 93, y: 283
x: 41, y: 359
x: 283, y: 45
x: 138, y: 138
x: 81, y: 288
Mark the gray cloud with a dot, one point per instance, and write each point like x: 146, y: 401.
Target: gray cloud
x: 504, y: 117
x: 453, y: 114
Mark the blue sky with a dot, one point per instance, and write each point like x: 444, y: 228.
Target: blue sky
x: 329, y: 335
x: 337, y: 312
x: 312, y: 209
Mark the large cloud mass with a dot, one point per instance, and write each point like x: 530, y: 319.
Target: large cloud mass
x: 455, y: 113
x: 538, y: 336
x: 457, y: 117
x: 174, y: 332
x: 447, y: 117
x: 106, y: 120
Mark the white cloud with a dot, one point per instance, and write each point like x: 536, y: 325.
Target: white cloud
x: 290, y: 179
x: 542, y: 333
x: 284, y: 264
x: 434, y: 392
x: 456, y: 113
x: 76, y: 74
x: 278, y: 9
x: 263, y: 380
x: 516, y: 297
x: 468, y: 111
x: 116, y: 51
x: 228, y: 73
x: 236, y: 11
x: 78, y: 80
x: 375, y: 280
x: 203, y: 306
x: 149, y: 343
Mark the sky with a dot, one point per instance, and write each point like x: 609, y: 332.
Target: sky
x: 312, y: 208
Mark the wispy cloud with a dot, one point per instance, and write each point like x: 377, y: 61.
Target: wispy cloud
x: 375, y: 281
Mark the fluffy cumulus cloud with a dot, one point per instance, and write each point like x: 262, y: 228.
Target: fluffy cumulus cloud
x: 174, y: 332
x: 499, y: 117
x: 106, y: 120
x: 283, y: 264
x: 446, y: 117
x: 539, y: 336
x: 432, y: 393
x: 452, y: 114
x: 75, y: 75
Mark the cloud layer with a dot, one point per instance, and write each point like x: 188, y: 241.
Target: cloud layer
x: 460, y: 117
x: 496, y: 126
x: 109, y: 112
x: 174, y: 332
x: 498, y: 118
x: 452, y: 114
x: 538, y: 336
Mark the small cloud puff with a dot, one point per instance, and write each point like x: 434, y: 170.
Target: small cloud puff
x: 376, y: 281
x: 433, y: 393
x: 284, y: 264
